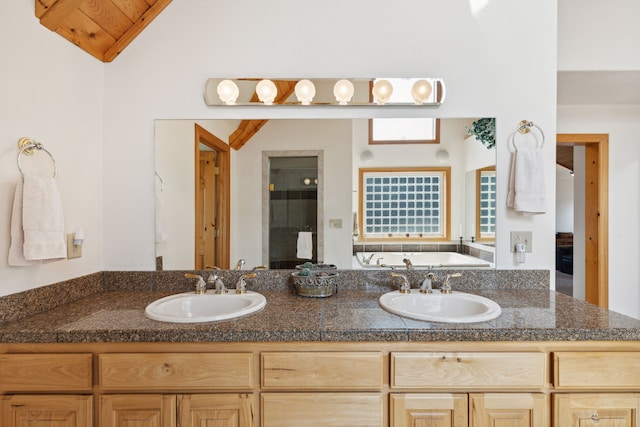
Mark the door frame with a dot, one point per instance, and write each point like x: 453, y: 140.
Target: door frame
x: 596, y: 213
x: 222, y: 191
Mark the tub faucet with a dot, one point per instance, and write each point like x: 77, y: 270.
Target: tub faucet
x: 240, y: 264
x: 445, y: 287
x: 367, y: 260
x: 201, y: 286
x: 241, y: 285
x: 407, y: 262
x: 405, y: 287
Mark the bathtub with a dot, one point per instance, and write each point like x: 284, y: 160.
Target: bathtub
x: 419, y: 259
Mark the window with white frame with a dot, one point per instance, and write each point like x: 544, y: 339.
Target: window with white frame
x: 401, y: 203
x: 486, y: 203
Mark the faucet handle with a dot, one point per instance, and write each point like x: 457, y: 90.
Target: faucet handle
x: 445, y: 288
x: 241, y: 285
x: 405, y: 287
x: 201, y: 286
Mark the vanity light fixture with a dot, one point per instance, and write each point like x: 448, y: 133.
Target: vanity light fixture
x: 228, y: 92
x: 266, y: 91
x: 421, y: 91
x: 305, y: 91
x: 343, y: 91
x: 382, y: 91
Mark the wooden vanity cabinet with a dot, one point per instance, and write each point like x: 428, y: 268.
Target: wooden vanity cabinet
x: 46, y: 390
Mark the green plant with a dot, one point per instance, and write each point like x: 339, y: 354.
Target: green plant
x: 485, y: 131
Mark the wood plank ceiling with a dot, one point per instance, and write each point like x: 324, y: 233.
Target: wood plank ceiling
x: 103, y: 28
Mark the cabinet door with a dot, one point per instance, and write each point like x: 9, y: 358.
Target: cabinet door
x: 140, y: 410
x: 513, y: 409
x: 603, y: 410
x: 433, y: 410
x: 47, y: 411
x: 322, y: 409
x: 215, y: 410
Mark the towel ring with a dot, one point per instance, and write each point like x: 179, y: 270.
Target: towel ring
x: 28, y: 146
x: 524, y: 127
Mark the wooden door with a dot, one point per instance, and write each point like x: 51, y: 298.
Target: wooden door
x: 206, y: 209
x: 514, y: 410
x: 216, y: 410
x: 47, y: 411
x: 140, y: 410
x: 428, y: 410
x: 602, y: 410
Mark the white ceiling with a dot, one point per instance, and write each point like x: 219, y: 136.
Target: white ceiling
x: 598, y: 87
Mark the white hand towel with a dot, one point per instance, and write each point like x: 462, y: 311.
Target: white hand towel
x: 42, y: 219
x: 527, y: 193
x: 161, y: 224
x: 305, y: 245
x: 16, y: 250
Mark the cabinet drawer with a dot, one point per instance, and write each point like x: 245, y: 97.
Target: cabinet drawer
x: 597, y: 370
x: 45, y: 372
x: 479, y: 370
x: 322, y: 409
x: 322, y: 370
x: 176, y: 371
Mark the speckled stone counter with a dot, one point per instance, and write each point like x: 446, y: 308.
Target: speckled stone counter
x: 350, y: 315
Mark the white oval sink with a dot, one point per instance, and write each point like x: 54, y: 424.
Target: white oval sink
x: 190, y: 307
x: 457, y: 307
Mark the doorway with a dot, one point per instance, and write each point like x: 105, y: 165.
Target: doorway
x: 293, y: 209
x: 212, y: 201
x: 596, y: 216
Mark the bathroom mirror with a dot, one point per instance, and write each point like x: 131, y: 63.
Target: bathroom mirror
x: 344, y: 147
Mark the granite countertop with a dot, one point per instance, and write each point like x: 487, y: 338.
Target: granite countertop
x: 349, y: 315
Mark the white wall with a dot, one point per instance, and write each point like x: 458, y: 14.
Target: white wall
x: 564, y: 200
x: 620, y: 122
x: 50, y: 91
x: 161, y: 76
x: 598, y: 36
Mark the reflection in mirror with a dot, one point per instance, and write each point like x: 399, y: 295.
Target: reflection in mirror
x: 344, y: 145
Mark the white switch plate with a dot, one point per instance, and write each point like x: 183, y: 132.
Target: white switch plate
x: 73, y: 251
x: 521, y: 237
x: 335, y: 223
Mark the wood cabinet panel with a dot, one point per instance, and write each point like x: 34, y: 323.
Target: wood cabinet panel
x: 602, y: 410
x: 492, y: 371
x: 433, y: 410
x: 322, y: 409
x: 322, y: 370
x: 46, y: 411
x: 176, y: 371
x: 139, y: 410
x: 597, y: 370
x: 45, y: 372
x: 509, y: 409
x: 225, y: 410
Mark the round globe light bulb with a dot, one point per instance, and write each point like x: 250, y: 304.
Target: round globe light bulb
x: 305, y: 91
x: 382, y: 91
x: 228, y: 92
x: 343, y: 91
x: 421, y: 91
x: 266, y: 91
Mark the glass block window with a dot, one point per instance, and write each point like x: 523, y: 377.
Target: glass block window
x: 486, y: 201
x: 404, y: 203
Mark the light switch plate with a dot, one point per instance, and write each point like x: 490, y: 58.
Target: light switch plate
x: 521, y: 237
x: 73, y: 251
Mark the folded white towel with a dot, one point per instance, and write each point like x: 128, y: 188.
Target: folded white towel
x: 16, y: 250
x: 527, y: 193
x: 305, y: 245
x: 42, y: 219
x: 161, y: 224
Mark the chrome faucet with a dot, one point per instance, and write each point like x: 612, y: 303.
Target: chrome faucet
x: 218, y: 284
x: 407, y: 262
x: 367, y: 260
x: 427, y: 284
x: 241, y: 285
x: 201, y: 286
x: 405, y: 287
x: 240, y: 264
x: 445, y: 287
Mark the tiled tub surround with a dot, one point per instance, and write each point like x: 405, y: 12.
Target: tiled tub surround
x: 108, y: 307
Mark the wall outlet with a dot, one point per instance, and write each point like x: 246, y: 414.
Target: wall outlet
x: 521, y: 237
x: 73, y: 251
